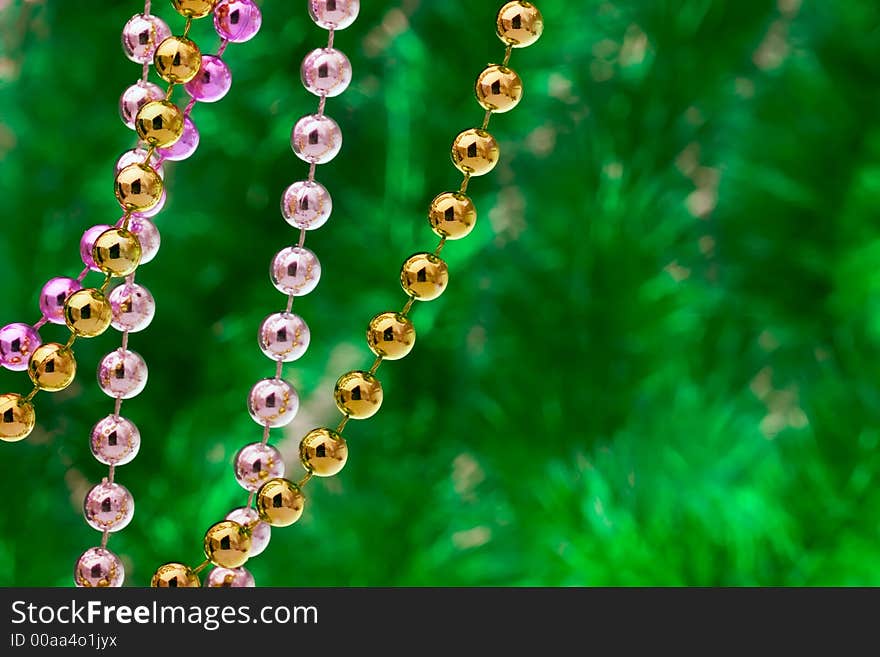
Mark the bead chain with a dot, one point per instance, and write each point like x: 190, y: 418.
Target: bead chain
x: 283, y: 337
x: 390, y: 335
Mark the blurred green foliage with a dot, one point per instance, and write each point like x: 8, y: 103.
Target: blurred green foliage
x: 656, y: 362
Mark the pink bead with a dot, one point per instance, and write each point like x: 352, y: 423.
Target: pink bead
x: 255, y: 464
x: 53, y: 296
x: 261, y: 532
x: 156, y: 209
x: 135, y: 97
x: 17, y: 343
x: 148, y: 236
x: 212, y: 81
x: 97, y: 568
x: 133, y: 307
x: 334, y: 14
x: 295, y: 270
x: 141, y: 35
x: 237, y: 20
x: 122, y: 374
x: 138, y: 156
x: 273, y: 403
x: 284, y: 337
x: 185, y: 146
x: 326, y: 72
x: 115, y: 441
x: 108, y: 507
x: 306, y: 205
x: 231, y: 577
x: 316, y: 139
x: 87, y: 242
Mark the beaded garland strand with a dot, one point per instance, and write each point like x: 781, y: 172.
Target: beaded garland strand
x: 390, y: 335
x: 283, y: 337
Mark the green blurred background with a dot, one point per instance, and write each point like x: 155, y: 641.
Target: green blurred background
x: 657, y: 359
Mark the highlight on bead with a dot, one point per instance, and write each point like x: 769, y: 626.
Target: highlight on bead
x: 334, y: 14
x: 194, y: 8
x: 519, y: 24
x: 17, y: 418
x: 391, y: 335
x: 237, y: 21
x: 475, y: 152
x: 358, y: 395
x: 108, y: 507
x: 499, y: 89
x: 255, y: 464
x: 212, y: 82
x: 88, y: 313
x: 54, y: 295
x: 424, y: 276
x: 138, y: 188
x: 98, y: 568
x: 227, y: 544
x: 280, y: 502
x: 177, y: 60
x: 122, y: 374
x: 273, y: 403
x: 135, y: 97
x: 159, y: 123
x: 323, y: 452
x: 230, y: 578
x: 117, y: 252
x: 316, y: 139
x: 140, y: 36
x: 452, y: 215
x: 174, y: 575
x: 52, y: 367
x: 115, y: 440
x: 17, y: 342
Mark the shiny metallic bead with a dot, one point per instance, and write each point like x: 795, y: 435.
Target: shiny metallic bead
x: 17, y: 418
x: 98, y: 568
x: 159, y: 123
x: 424, y: 276
x: 334, y: 14
x: 452, y: 215
x: 284, y: 337
x: 17, y: 343
x: 138, y: 188
x: 135, y: 97
x: 194, y: 8
x: 230, y: 578
x: 122, y: 374
x: 519, y: 24
x: 323, y: 452
x: 117, y: 252
x: 358, y: 395
x: 88, y: 313
x: 273, y: 403
x: 326, y: 72
x: 306, y: 205
x: 227, y: 544
x: 141, y: 35
x: 52, y: 367
x: 133, y: 307
x: 280, y: 502
x: 316, y: 139
x: 261, y: 531
x: 255, y: 464
x: 115, y: 441
x: 174, y: 575
x: 475, y: 152
x: 177, y: 60
x: 295, y: 270
x: 499, y: 89
x: 391, y: 335
x: 108, y: 507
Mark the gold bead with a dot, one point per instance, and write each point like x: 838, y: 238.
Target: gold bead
x: 138, y: 188
x: 17, y: 418
x: 88, y: 312
x: 52, y: 367
x: 424, y: 276
x: 227, y: 544
x: 177, y: 60
x: 475, y: 152
x: 499, y: 89
x: 174, y: 575
x: 358, y: 395
x: 117, y: 252
x: 194, y: 8
x: 391, y: 335
x: 159, y: 123
x: 452, y: 215
x: 519, y: 24
x: 280, y: 502
x: 323, y: 452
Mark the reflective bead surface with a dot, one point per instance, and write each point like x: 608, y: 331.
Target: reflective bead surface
x: 323, y: 452
x: 17, y: 418
x: 148, y: 236
x: 284, y: 337
x: 334, y: 14
x: 87, y: 243
x: 475, y: 152
x: 519, y: 24
x: 499, y: 89
x: 17, y: 342
x: 237, y: 20
x: 230, y: 578
x: 358, y: 395
x: 135, y: 97
x: 159, y: 123
x: 295, y: 270
x: 138, y: 187
x: 261, y: 531
x: 326, y: 72
x: 184, y: 147
x: 177, y: 60
x: 98, y: 568
x: 280, y: 502
x: 255, y: 464
x: 273, y: 403
x: 108, y: 507
x: 424, y: 276
x: 117, y: 252
x: 306, y: 205
x: 452, y: 215
x: 54, y: 295
x: 391, y: 335
x: 141, y: 35
x: 194, y: 8
x: 122, y: 374
x: 227, y: 544
x: 316, y: 139
x: 52, y: 367
x: 212, y: 82
x: 115, y: 441
x: 88, y: 313
x: 174, y: 575
x: 133, y: 307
